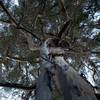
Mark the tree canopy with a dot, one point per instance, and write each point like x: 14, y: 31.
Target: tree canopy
x: 26, y: 24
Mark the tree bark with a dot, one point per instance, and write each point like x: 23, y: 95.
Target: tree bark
x: 43, y: 91
x: 72, y: 86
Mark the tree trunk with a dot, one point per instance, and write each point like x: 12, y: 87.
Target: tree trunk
x: 43, y: 91
x: 72, y: 86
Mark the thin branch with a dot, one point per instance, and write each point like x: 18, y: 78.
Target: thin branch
x: 7, y: 12
x: 15, y: 22
x: 16, y: 59
x: 46, y: 59
x: 95, y: 52
x: 18, y: 86
x: 26, y: 96
x: 63, y: 8
x: 64, y: 28
x: 28, y: 31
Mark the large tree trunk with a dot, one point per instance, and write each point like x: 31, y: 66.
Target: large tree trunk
x: 43, y: 91
x: 72, y: 86
x: 67, y: 80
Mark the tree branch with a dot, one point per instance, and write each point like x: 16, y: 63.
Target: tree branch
x: 7, y: 12
x: 18, y: 86
x: 64, y: 28
x: 15, y: 22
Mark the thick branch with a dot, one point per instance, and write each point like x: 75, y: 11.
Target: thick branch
x: 18, y: 86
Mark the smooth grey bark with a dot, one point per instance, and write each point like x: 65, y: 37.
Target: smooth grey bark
x: 73, y: 86
x: 43, y: 91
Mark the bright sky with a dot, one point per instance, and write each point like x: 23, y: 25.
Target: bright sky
x: 94, y: 32
x: 15, y: 2
x: 97, y: 16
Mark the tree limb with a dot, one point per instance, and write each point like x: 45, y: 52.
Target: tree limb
x: 64, y: 28
x: 18, y: 86
x: 15, y: 22
x: 16, y: 59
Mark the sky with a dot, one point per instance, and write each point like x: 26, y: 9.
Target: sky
x: 15, y: 2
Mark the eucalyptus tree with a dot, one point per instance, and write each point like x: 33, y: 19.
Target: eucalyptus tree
x: 27, y: 24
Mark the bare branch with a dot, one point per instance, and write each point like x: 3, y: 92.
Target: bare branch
x: 64, y: 9
x: 64, y: 28
x: 26, y: 96
x: 67, y: 17
x: 7, y: 12
x: 18, y: 59
x: 95, y: 52
x: 18, y: 86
